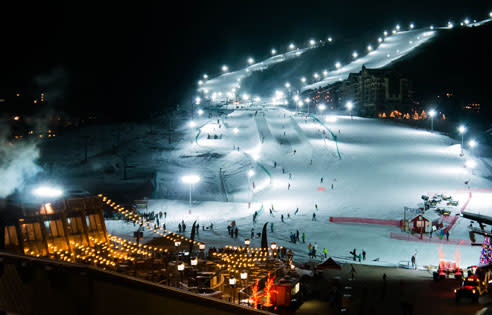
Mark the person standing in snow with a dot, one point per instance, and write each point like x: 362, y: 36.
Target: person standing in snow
x: 252, y: 233
x: 275, y: 164
x: 229, y: 229
x: 314, y: 217
x: 303, y: 238
x: 288, y: 215
x: 295, y: 151
x: 288, y: 186
x: 447, y: 235
x: 321, y: 180
x: 297, y: 234
x: 179, y: 228
x: 282, y: 218
x: 316, y: 206
x: 295, y: 212
x: 271, y: 227
x: 363, y: 254
x: 236, y: 232
x: 325, y: 252
x: 331, y: 186
x: 165, y: 214
x: 271, y: 213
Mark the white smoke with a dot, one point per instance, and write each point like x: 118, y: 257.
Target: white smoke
x: 17, y: 163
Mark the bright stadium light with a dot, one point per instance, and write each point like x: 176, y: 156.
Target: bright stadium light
x: 355, y: 54
x: 200, y: 112
x: 225, y: 68
x: 380, y: 40
x: 397, y: 27
x: 198, y: 100
x: 321, y: 107
x: 296, y: 98
x: 303, y: 80
x: 462, y: 130
x: 251, y: 173
x: 325, y: 73
x: 205, y: 76
x: 432, y: 113
x: 316, y: 75
x: 472, y: 143
x: 307, y: 100
x: 235, y: 130
x: 46, y: 191
x: 251, y: 60
x: 292, y: 46
x: 312, y: 42
x: 191, y: 180
x: 338, y: 65
x: 273, y: 51
x: 330, y: 39
x: 349, y: 106
x: 200, y: 82
x: 287, y: 85
x: 385, y: 33
x: 192, y: 124
x: 369, y: 48
x: 466, y: 21
x: 412, y: 26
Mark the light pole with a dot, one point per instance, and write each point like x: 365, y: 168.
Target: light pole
x: 191, y: 180
x: 462, y: 130
x: 349, y: 106
x: 251, y: 173
x: 432, y: 113
x: 307, y: 101
x: 472, y: 143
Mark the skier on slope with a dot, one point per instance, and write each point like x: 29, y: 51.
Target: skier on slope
x: 297, y: 210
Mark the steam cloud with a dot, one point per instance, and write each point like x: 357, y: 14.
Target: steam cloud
x: 17, y: 163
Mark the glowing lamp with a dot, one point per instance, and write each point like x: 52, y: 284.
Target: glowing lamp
x: 181, y: 267
x: 292, y: 46
x: 235, y: 130
x: 273, y: 246
x: 200, y: 112
x: 45, y: 191
x: 462, y: 129
x: 273, y: 51
x: 251, y: 173
x: 287, y: 85
x: 177, y: 243
x: 472, y: 143
x: 349, y: 105
x: 244, y: 275
x: 330, y: 39
x: 194, y: 261
x: 190, y: 179
x: 225, y: 68
x: 192, y: 124
x: 247, y: 242
x: 201, y: 246
x: 338, y: 65
x: 251, y: 60
x: 292, y: 267
x: 432, y: 113
x: 232, y: 281
x: 355, y: 54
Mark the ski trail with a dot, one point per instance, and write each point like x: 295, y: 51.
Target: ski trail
x: 315, y: 149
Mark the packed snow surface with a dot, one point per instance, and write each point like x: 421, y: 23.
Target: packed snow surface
x: 382, y: 167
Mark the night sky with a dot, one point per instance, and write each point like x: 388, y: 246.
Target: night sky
x: 133, y: 60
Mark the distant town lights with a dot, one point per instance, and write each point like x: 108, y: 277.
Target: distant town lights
x: 198, y: 100
x: 325, y: 73
x: 316, y: 75
x: 380, y: 40
x: 200, y: 82
x: 296, y: 98
x: 307, y: 100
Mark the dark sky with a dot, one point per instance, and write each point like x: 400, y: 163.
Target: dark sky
x: 139, y: 58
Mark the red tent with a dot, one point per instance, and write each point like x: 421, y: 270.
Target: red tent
x: 329, y: 264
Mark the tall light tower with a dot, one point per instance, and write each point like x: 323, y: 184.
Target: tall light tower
x: 432, y: 113
x: 191, y: 180
x: 462, y: 130
x: 251, y: 173
x: 349, y: 106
